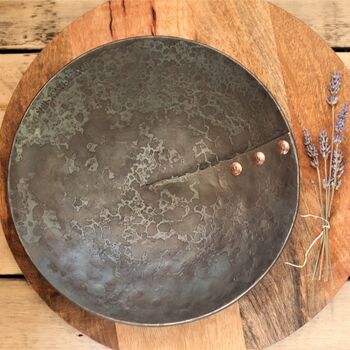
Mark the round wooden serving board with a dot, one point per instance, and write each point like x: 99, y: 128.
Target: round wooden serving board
x: 295, y: 64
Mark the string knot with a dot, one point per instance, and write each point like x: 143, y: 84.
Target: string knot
x: 325, y: 225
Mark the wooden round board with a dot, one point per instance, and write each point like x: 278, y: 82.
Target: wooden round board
x: 295, y: 64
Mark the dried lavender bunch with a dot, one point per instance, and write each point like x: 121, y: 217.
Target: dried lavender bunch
x: 333, y: 88
x: 329, y: 175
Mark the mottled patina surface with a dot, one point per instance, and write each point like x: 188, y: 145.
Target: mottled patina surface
x: 120, y: 186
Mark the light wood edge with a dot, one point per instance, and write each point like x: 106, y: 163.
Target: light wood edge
x: 27, y: 323
x: 12, y: 67
x: 328, y: 330
x: 224, y: 329
x: 41, y: 20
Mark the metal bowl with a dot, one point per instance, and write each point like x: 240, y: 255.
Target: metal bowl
x: 120, y: 182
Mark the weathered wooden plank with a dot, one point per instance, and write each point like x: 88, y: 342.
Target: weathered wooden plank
x: 330, y: 19
x: 27, y: 323
x: 8, y: 265
x: 11, y: 69
x: 222, y: 329
x: 345, y: 57
x: 32, y: 24
x: 328, y: 330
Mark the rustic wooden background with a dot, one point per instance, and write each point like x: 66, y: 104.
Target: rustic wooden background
x: 25, y: 28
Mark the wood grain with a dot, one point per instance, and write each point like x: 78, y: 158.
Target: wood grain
x: 306, y: 63
x: 41, y: 20
x: 270, y: 43
x: 221, y: 329
x: 328, y: 330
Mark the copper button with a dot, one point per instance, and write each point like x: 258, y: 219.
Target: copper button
x: 283, y: 147
x: 259, y: 158
x: 236, y: 168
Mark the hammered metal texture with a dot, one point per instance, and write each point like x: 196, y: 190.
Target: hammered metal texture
x: 120, y: 185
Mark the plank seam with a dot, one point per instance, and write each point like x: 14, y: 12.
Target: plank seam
x: 12, y: 277
x: 18, y: 51
x: 341, y: 49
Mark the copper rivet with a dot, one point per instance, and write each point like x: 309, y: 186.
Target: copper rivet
x: 236, y: 168
x: 283, y: 147
x: 259, y: 158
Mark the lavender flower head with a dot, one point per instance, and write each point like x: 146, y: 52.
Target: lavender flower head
x: 340, y: 123
x: 324, y: 144
x: 310, y: 149
x: 337, y: 160
x: 335, y: 83
x: 338, y: 167
x: 333, y: 88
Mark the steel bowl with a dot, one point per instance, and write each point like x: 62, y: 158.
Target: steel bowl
x: 121, y: 186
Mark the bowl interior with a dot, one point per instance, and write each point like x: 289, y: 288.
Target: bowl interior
x: 120, y: 186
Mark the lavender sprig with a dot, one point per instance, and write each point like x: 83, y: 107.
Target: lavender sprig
x: 340, y: 123
x: 338, y: 166
x: 333, y: 88
x: 340, y: 173
x: 335, y: 83
x: 325, y: 147
x: 310, y: 149
x: 337, y: 160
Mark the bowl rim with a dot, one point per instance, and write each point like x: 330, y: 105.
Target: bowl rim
x: 287, y: 133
